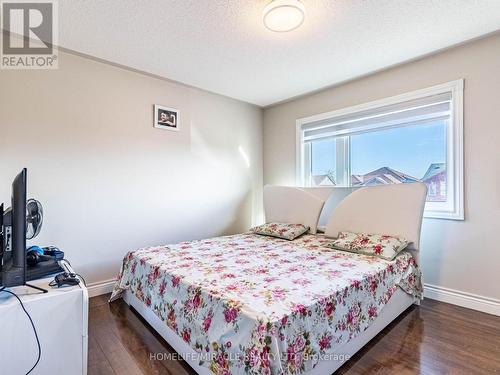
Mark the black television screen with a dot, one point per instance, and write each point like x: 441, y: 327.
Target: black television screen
x: 19, y: 187
x: 14, y: 264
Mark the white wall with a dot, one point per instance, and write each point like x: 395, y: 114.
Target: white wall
x: 459, y: 255
x: 110, y: 182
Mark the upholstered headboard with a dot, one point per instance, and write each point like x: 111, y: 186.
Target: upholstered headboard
x: 387, y: 209
x: 332, y: 195
x: 286, y: 204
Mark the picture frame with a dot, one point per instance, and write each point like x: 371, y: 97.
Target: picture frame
x: 166, y: 118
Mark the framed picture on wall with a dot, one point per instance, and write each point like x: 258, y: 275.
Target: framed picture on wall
x: 166, y: 118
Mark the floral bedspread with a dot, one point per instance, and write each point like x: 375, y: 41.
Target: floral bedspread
x: 251, y: 304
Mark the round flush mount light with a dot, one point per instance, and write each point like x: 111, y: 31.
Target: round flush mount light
x: 284, y: 15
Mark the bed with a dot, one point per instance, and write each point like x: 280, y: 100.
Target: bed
x: 251, y: 304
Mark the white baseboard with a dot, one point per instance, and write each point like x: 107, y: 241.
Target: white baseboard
x: 468, y: 300
x: 101, y: 287
x: 455, y: 297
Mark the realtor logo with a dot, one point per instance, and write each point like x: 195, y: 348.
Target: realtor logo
x: 29, y: 34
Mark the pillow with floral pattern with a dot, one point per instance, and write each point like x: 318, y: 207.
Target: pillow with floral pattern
x: 379, y: 245
x: 281, y: 230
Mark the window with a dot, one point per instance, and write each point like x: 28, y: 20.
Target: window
x: 407, y: 138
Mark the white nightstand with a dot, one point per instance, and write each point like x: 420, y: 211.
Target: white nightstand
x: 61, y: 320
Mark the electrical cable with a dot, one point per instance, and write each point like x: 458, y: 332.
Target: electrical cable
x: 32, y: 325
x: 65, y: 260
x: 81, y: 277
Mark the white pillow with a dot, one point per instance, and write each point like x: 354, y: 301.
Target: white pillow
x: 285, y: 204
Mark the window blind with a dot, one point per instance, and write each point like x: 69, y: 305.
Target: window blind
x: 431, y: 108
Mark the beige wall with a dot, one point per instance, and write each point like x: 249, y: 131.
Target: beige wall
x: 461, y: 255
x: 110, y: 182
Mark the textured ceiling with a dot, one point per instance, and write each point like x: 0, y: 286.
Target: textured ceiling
x: 222, y: 46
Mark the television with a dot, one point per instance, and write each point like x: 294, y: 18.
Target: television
x: 13, y: 236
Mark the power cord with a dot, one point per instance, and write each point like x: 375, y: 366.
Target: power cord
x: 65, y: 260
x: 81, y: 277
x: 32, y: 325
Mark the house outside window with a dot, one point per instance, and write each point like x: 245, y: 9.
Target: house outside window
x: 412, y: 137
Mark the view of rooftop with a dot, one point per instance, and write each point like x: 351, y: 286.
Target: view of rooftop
x: 434, y: 178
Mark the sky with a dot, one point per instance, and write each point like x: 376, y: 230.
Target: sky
x: 408, y: 149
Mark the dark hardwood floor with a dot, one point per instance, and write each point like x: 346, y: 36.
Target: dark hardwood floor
x: 435, y: 338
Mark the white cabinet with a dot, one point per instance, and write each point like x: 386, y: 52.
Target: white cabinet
x: 61, y: 320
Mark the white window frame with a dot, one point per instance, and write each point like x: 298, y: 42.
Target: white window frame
x: 455, y: 149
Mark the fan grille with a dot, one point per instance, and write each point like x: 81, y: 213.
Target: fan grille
x: 34, y: 218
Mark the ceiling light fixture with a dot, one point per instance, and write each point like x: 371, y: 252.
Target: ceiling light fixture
x: 284, y: 15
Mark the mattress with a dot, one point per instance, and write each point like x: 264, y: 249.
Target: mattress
x: 250, y: 304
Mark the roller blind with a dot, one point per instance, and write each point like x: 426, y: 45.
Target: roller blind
x: 435, y: 107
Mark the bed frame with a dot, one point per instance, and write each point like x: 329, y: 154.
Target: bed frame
x: 399, y: 302
x: 398, y: 210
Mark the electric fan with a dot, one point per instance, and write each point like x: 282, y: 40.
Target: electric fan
x: 34, y: 218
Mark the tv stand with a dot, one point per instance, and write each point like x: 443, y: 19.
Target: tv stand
x: 61, y: 320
